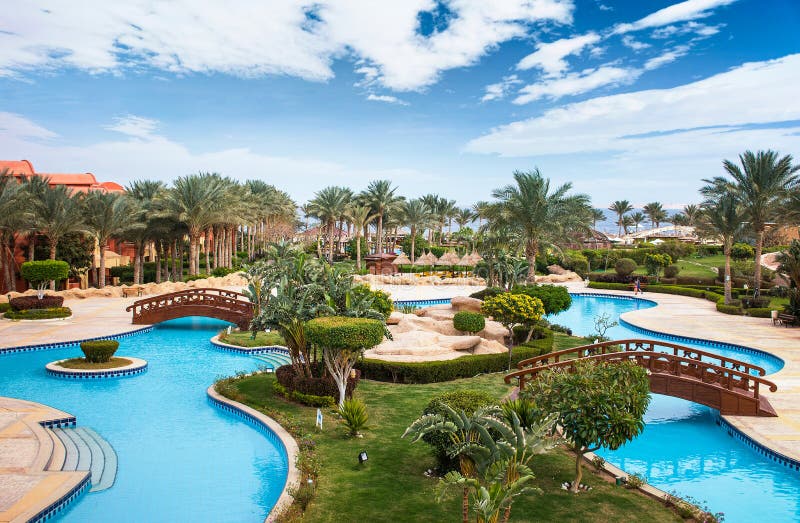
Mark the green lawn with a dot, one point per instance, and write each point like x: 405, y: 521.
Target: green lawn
x: 391, y: 485
x: 81, y: 363
x: 245, y: 339
x: 689, y: 269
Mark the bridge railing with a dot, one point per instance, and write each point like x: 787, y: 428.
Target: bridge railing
x: 727, y: 378
x: 632, y: 345
x: 217, y: 298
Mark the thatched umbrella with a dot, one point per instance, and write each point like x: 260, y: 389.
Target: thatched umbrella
x: 422, y: 261
x: 475, y: 257
x: 401, y: 260
x: 449, y: 258
x: 467, y: 261
x: 430, y: 259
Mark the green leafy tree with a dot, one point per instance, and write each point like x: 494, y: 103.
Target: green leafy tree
x: 39, y: 273
x: 596, y: 404
x: 655, y: 263
x: 762, y: 183
x: 620, y: 208
x: 329, y: 205
x: 360, y: 216
x: 106, y: 216
x: 554, y: 298
x: 417, y: 216
x: 655, y: 211
x: 380, y: 195
x: 511, y: 310
x: 789, y: 263
x: 741, y: 251
x: 722, y: 216
x: 535, y: 215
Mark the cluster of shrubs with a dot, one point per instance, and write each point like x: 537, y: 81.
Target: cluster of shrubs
x: 467, y: 401
x: 99, y: 351
x: 555, y: 298
x: 24, y: 303
x: 311, y: 391
x: 466, y: 321
x: 463, y: 367
x: 39, y: 314
x: 306, y: 399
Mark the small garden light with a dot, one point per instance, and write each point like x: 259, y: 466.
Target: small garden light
x: 362, y: 457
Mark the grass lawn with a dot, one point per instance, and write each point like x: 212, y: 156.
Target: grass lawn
x: 245, y: 339
x: 391, y: 486
x: 81, y: 363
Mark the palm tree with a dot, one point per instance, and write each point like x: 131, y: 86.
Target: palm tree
x: 691, y: 212
x: 380, y: 196
x: 57, y: 213
x: 636, y: 219
x: 464, y: 217
x: 144, y: 195
x: 194, y: 200
x: 762, y: 184
x: 621, y: 208
x: 536, y: 215
x: 597, y: 216
x: 479, y: 209
x: 10, y: 202
x: 360, y: 216
x: 329, y: 205
x: 416, y: 214
x: 627, y: 223
x: 723, y: 216
x: 106, y: 215
x: 655, y: 211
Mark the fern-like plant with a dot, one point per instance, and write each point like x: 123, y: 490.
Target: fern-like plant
x: 354, y: 415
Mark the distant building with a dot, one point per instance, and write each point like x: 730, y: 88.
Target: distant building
x: 119, y: 253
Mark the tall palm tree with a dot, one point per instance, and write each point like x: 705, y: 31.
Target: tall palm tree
x: 329, y: 205
x: 416, y: 214
x: 723, y: 216
x: 597, y: 215
x: 691, y: 212
x: 536, y: 215
x: 620, y: 208
x: 479, y: 209
x: 56, y: 214
x: 464, y: 217
x: 381, y: 196
x: 194, y: 199
x: 10, y: 201
x: 360, y: 216
x: 636, y: 219
x: 106, y: 215
x: 144, y: 195
x: 762, y: 184
x: 655, y: 211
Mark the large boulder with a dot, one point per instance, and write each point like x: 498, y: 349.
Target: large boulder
x: 465, y: 303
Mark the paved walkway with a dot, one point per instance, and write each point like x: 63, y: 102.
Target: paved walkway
x: 27, y: 455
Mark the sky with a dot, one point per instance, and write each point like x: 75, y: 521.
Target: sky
x: 635, y: 99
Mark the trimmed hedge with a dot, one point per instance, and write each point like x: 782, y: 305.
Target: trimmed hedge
x: 466, y: 321
x: 624, y: 267
x: 463, y: 367
x: 317, y: 387
x: 759, y: 312
x: 23, y: 303
x: 39, y: 314
x: 40, y: 271
x: 488, y: 292
x: 342, y: 333
x: 306, y: 399
x: 5, y: 307
x: 99, y: 351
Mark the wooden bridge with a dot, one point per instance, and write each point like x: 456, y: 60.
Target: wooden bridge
x: 728, y: 385
x: 214, y: 303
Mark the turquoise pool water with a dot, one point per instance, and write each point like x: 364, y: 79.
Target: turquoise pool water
x: 683, y: 450
x: 180, y: 458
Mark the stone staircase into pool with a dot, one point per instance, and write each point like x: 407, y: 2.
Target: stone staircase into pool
x: 273, y: 360
x: 87, y: 450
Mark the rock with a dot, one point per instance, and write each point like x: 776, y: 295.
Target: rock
x: 556, y: 269
x: 494, y: 331
x: 394, y: 318
x: 465, y: 303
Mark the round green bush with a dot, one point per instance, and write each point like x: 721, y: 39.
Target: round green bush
x: 671, y: 271
x: 555, y: 298
x: 99, y: 351
x: 466, y: 321
x: 467, y: 401
x: 742, y: 251
x: 41, y: 271
x: 342, y: 333
x: 625, y: 267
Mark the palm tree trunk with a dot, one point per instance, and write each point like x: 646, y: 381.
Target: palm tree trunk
x: 207, y: 248
x: 530, y: 255
x: 53, y: 245
x: 102, y: 276
x: 192, y: 254
x: 757, y: 270
x: 331, y: 232
x: 157, y: 248
x: 358, y: 251
x: 32, y: 246
x: 727, y: 276
x: 413, y: 242
x: 379, y: 248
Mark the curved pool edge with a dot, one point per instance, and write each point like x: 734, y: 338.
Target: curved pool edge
x: 288, y: 443
x: 135, y: 367
x: 63, y: 344
x: 263, y: 349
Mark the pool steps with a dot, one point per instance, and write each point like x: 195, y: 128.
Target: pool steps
x: 87, y: 450
x: 273, y: 360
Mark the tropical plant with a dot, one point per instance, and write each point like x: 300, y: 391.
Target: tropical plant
x: 762, y: 183
x: 656, y: 213
x: 554, y: 298
x: 416, y: 215
x: 620, y: 208
x: 723, y: 216
x: 511, y: 310
x: 597, y: 215
x: 789, y: 263
x: 636, y: 219
x: 329, y: 205
x: 360, y: 216
x: 655, y: 263
x: 380, y: 195
x: 354, y: 415
x: 536, y: 216
x: 596, y: 404
x: 105, y: 216
x: 741, y: 251
x: 56, y: 213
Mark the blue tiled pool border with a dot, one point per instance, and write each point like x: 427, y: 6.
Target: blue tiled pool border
x: 112, y: 373
x: 277, y: 349
x: 767, y: 452
x: 61, y: 345
x: 422, y: 303
x: 56, y: 507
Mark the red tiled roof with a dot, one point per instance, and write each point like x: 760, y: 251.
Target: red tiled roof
x: 112, y: 187
x: 18, y: 167
x: 84, y: 179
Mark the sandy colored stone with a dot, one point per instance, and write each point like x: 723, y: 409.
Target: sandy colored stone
x: 556, y: 269
x: 394, y: 318
x: 465, y: 303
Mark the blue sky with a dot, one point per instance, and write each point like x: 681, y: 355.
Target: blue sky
x: 626, y: 99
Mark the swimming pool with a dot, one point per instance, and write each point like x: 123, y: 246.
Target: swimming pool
x: 682, y: 449
x: 180, y: 458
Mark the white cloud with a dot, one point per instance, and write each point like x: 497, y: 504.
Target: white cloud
x: 633, y: 44
x: 550, y: 57
x: 576, y: 83
x: 664, y: 129
x: 293, y: 37
x: 701, y: 30
x: 16, y: 125
x: 499, y: 90
x: 680, y: 12
x: 386, y: 98
x: 136, y: 126
x: 666, y: 57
